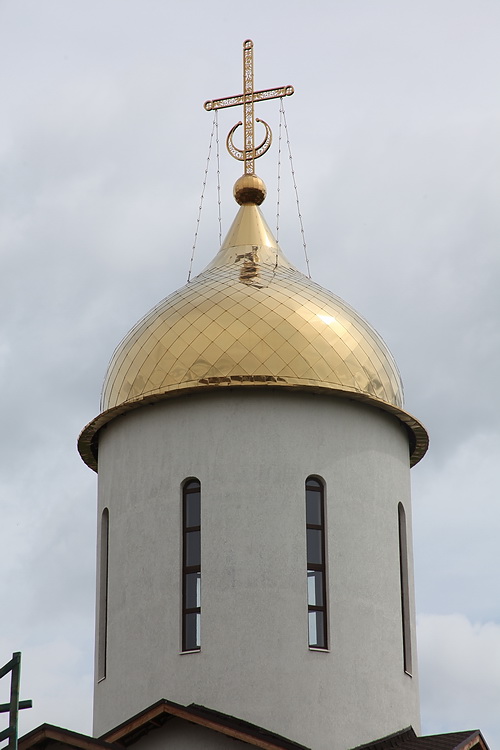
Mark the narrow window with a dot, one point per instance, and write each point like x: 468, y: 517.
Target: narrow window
x: 191, y: 565
x: 102, y: 628
x: 316, y: 568
x: 405, y: 594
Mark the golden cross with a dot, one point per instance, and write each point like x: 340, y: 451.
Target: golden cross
x: 247, y: 99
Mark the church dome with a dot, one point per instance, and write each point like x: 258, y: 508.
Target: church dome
x: 251, y: 320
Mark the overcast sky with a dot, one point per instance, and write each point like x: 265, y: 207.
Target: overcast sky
x: 395, y: 132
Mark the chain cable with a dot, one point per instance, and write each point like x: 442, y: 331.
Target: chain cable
x: 214, y: 123
x: 282, y: 109
x: 217, y: 151
x: 278, y: 185
x: 278, y: 181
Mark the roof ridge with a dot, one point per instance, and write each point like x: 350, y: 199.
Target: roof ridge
x: 247, y: 725
x: 390, y: 740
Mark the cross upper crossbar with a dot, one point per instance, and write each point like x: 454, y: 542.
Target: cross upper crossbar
x: 247, y: 100
x: 258, y: 96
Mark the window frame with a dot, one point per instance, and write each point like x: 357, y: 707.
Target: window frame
x: 317, y: 485
x: 102, y: 617
x: 404, y: 591
x: 191, y: 486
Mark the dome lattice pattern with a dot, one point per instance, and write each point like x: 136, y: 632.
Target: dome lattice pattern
x: 251, y: 320
x: 267, y: 327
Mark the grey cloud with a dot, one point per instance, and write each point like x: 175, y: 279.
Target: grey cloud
x: 102, y: 152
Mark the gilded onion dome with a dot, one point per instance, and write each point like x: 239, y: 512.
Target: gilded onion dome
x: 251, y: 320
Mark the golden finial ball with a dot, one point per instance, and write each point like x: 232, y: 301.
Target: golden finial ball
x: 249, y: 189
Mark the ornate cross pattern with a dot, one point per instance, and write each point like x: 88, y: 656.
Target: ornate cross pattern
x: 247, y: 99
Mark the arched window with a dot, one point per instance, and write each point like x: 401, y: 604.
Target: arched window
x: 405, y: 593
x: 102, y: 615
x: 316, y: 563
x: 191, y: 565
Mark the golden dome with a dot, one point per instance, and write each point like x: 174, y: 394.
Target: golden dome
x: 251, y: 319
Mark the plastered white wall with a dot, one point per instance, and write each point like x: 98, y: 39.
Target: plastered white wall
x: 252, y: 452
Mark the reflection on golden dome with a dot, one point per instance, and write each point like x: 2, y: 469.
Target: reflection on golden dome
x: 251, y: 319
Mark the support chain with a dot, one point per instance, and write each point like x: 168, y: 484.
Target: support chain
x: 282, y: 111
x: 217, y: 151
x: 278, y: 180
x: 214, y: 129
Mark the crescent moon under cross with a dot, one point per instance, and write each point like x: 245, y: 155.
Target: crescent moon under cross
x: 260, y: 150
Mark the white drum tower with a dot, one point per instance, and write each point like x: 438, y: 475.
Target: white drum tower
x: 254, y: 550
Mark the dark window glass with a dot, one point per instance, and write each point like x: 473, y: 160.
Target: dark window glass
x: 316, y: 579
x: 192, y: 590
x: 191, y: 565
x: 313, y: 507
x: 193, y: 548
x: 193, y: 509
x: 315, y: 546
x: 192, y: 631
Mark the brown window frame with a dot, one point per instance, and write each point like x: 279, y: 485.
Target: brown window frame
x: 190, y: 487
x: 316, y: 485
x: 405, y: 590
x: 102, y: 621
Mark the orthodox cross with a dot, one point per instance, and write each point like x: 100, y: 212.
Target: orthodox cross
x: 14, y: 666
x: 250, y: 152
